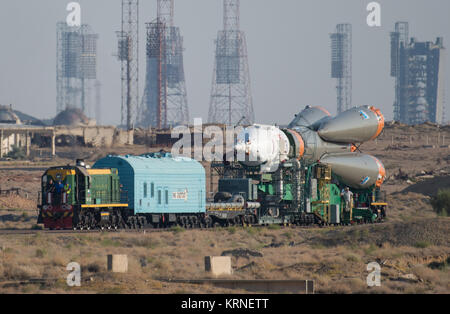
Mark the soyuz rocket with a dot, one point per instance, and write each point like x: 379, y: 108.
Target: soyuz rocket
x: 314, y: 136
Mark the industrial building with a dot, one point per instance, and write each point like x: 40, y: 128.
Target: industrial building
x: 418, y: 68
x: 14, y: 133
x: 70, y: 128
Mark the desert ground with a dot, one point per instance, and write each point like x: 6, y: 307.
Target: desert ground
x: 412, y: 246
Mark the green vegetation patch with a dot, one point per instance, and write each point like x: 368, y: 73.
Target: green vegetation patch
x: 441, y: 202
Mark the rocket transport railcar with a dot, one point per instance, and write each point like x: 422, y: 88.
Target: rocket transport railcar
x: 297, y: 175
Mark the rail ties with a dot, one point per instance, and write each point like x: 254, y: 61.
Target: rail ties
x: 46, y: 231
x: 15, y: 284
x: 31, y: 231
x: 150, y: 230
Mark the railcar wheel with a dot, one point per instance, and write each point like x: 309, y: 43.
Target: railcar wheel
x: 208, y: 222
x: 142, y: 222
x: 194, y: 221
x: 183, y: 222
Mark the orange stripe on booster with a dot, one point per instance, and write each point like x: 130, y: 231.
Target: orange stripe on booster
x: 301, y: 148
x: 322, y: 109
x: 380, y: 118
x: 381, y: 172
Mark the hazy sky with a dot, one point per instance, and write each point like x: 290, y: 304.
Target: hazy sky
x: 288, y: 46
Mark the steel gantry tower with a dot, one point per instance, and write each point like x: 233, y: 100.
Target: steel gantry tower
x: 418, y: 68
x: 164, y: 103
x: 399, y: 42
x: 128, y: 54
x: 231, y: 97
x: 341, y: 65
x: 76, y: 66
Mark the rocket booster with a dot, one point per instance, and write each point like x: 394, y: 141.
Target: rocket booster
x: 357, y: 125
x: 355, y: 169
x: 310, y: 118
x: 315, y: 136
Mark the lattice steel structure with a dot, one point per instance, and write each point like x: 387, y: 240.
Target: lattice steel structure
x: 341, y: 65
x: 231, y: 96
x: 399, y: 41
x: 418, y: 68
x: 128, y: 54
x: 165, y: 101
x: 76, y: 66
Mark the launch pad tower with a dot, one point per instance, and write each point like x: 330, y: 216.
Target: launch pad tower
x: 231, y: 96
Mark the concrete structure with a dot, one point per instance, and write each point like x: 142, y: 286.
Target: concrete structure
x: 418, y: 68
x: 72, y: 117
x: 14, y: 134
x: 20, y: 136
x: 94, y: 136
x: 76, y: 130
x: 218, y: 265
x: 8, y: 116
x: 118, y: 263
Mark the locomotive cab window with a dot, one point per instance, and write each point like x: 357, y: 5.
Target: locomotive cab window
x: 167, y: 197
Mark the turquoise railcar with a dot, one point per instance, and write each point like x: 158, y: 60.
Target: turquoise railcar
x: 159, y: 183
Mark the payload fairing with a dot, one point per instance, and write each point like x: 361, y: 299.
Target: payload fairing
x: 316, y: 137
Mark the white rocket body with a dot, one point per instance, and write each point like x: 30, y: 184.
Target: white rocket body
x: 314, y: 136
x: 262, y: 145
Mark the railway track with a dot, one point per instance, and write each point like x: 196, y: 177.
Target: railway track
x: 30, y: 231
x: 146, y: 230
